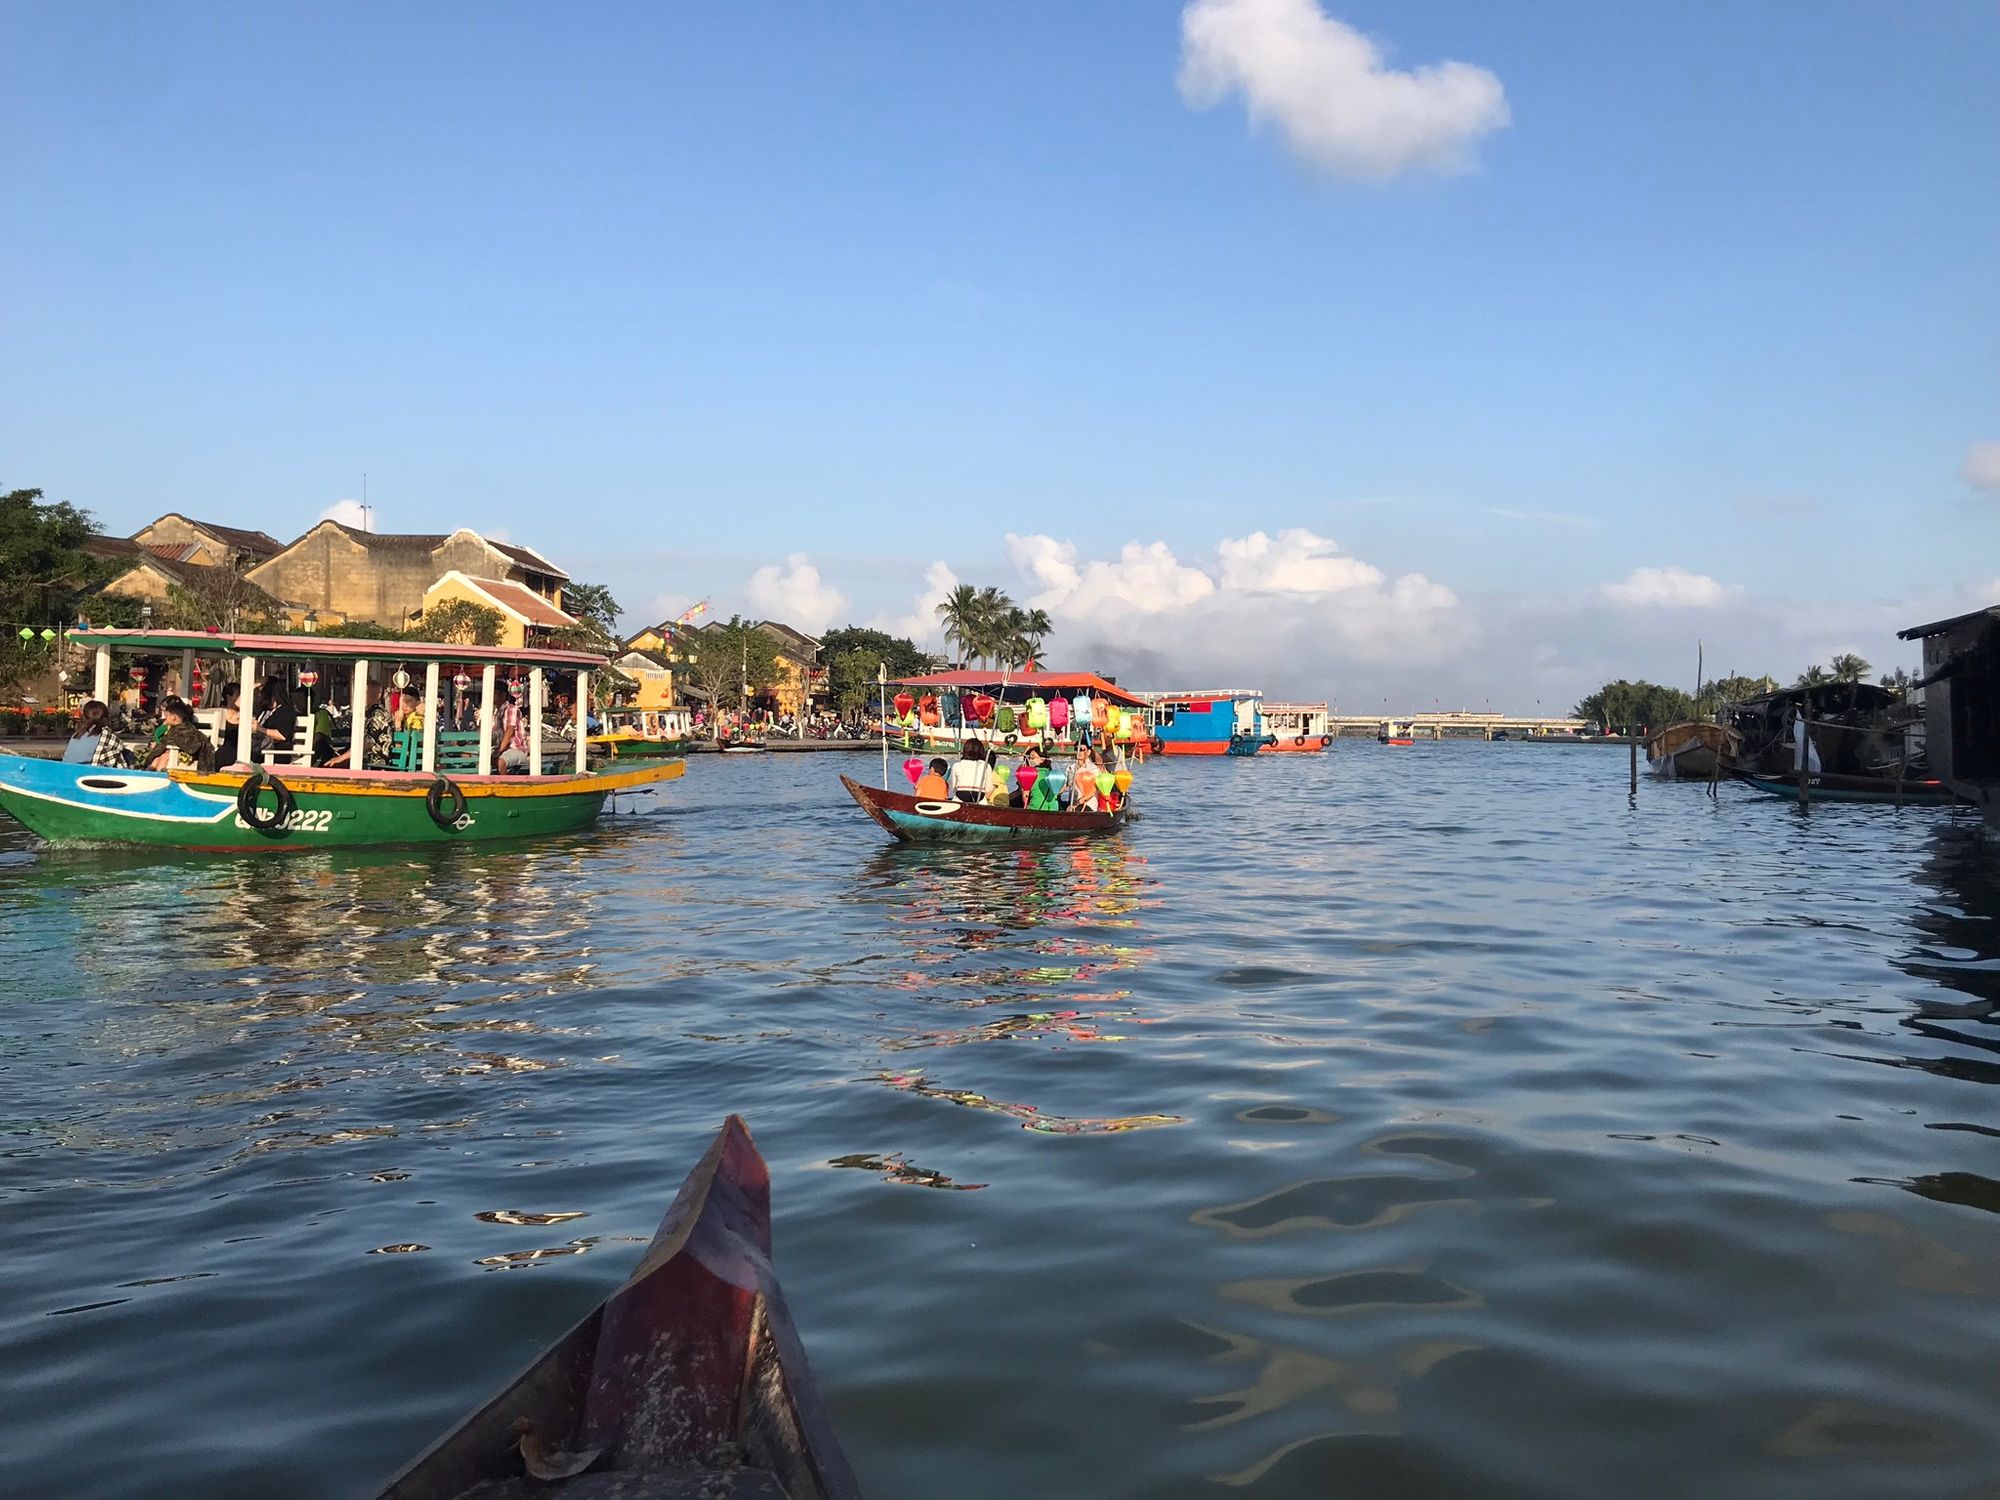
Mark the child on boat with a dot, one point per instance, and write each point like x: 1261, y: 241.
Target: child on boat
x: 931, y: 786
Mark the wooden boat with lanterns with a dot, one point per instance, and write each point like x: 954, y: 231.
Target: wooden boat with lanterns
x: 688, y: 1382
x: 1005, y: 710
x: 441, y: 787
x: 915, y: 820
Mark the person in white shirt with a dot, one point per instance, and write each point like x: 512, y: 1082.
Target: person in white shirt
x: 972, y: 777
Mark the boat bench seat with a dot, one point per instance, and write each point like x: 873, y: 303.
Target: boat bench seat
x: 457, y: 751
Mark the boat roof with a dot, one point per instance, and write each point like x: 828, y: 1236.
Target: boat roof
x: 1939, y: 627
x: 219, y: 643
x: 1211, y: 694
x: 1068, y: 682
x: 1294, y: 708
x: 1863, y: 695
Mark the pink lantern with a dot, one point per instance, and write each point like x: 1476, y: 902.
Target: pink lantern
x: 1024, y: 776
x: 914, y: 769
x: 1058, y: 713
x: 462, y: 681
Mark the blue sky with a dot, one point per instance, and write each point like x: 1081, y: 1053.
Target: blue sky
x: 675, y: 293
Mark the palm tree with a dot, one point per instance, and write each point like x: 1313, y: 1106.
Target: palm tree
x: 1813, y: 677
x: 1898, y: 681
x: 1036, y: 626
x: 1847, y: 667
x: 960, y: 614
x: 992, y: 623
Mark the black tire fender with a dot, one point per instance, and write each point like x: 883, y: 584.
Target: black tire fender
x: 252, y: 813
x: 434, y: 803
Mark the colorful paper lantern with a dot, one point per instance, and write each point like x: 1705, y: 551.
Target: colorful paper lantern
x: 308, y: 677
x: 1106, y: 782
x: 1024, y: 776
x: 904, y: 703
x: 914, y: 769
x: 1123, y: 781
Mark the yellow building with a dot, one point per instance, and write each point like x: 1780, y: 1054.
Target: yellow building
x: 526, y: 617
x: 385, y: 577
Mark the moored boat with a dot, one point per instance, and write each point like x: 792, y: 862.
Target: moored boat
x: 1691, y: 750
x: 688, y: 1381
x: 915, y: 820
x: 1225, y: 721
x: 1297, y: 727
x: 438, y: 787
x: 1829, y: 786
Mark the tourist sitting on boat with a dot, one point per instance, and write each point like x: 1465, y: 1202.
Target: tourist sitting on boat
x: 182, y: 746
x: 931, y: 786
x: 95, y: 742
x: 514, y: 757
x: 378, y: 735
x: 1083, y: 781
x: 277, y: 720
x: 971, y: 778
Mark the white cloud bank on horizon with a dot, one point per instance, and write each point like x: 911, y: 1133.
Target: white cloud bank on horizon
x: 1981, y: 468
x: 348, y: 513
x: 795, y: 594
x: 1328, y: 88
x: 1292, y: 614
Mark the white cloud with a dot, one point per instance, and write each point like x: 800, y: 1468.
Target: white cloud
x: 1981, y: 468
x: 1146, y: 577
x: 1298, y: 562
x: 921, y: 623
x: 1326, y: 86
x: 1668, y: 588
x: 795, y: 595
x: 348, y: 513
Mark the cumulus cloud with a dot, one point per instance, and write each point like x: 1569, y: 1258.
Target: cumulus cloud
x: 347, y: 513
x: 1667, y: 588
x: 921, y: 623
x: 1298, y: 562
x: 1329, y: 89
x: 795, y: 595
x: 1981, y: 468
x: 1291, y: 612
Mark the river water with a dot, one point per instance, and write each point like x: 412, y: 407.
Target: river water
x: 1387, y: 1123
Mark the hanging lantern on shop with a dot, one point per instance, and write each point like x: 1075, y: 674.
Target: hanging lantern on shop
x: 461, y: 680
x: 307, y: 677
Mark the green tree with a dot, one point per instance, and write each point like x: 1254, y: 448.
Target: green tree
x: 961, y: 618
x: 1898, y: 681
x: 732, y: 662
x: 1847, y: 667
x: 1626, y: 707
x: 851, y: 656
x: 1813, y: 677
x: 1720, y: 692
x: 44, y: 574
x: 458, y: 622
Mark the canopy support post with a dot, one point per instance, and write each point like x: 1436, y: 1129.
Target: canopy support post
x: 487, y: 685
x: 101, y: 685
x: 187, y: 674
x: 357, y: 716
x: 582, y: 722
x: 430, y: 717
x: 246, y: 708
x: 534, y: 721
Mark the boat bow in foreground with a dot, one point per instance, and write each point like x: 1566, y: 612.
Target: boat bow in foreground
x: 688, y: 1382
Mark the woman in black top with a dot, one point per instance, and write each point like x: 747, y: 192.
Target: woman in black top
x: 277, y: 720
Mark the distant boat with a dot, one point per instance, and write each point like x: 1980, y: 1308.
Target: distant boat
x: 1691, y: 751
x: 915, y: 820
x: 1297, y: 727
x: 1228, y: 721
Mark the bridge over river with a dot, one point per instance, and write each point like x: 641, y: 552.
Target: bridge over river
x: 1457, y: 723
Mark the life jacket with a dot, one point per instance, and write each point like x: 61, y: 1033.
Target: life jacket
x: 948, y: 707
x: 1058, y: 713
x: 1006, y: 718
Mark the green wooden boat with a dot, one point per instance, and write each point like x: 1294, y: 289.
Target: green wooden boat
x: 451, y: 795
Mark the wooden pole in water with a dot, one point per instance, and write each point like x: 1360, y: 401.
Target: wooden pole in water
x: 1633, y: 741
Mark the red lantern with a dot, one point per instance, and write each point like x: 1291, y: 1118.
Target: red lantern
x: 904, y: 703
x: 981, y: 708
x: 927, y: 711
